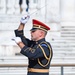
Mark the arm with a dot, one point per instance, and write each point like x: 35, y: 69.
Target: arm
x: 35, y: 52
x: 19, y: 32
x: 23, y: 21
x: 21, y: 45
x: 21, y: 26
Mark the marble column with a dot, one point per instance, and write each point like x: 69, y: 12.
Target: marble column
x: 67, y: 10
x: 17, y: 7
x: 53, y: 15
x: 2, y: 6
x: 10, y: 6
x: 67, y: 18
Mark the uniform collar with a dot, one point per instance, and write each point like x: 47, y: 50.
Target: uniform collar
x: 39, y: 41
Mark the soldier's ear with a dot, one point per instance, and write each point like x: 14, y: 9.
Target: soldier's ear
x: 42, y: 32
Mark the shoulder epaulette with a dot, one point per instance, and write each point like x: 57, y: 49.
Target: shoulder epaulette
x: 44, y: 45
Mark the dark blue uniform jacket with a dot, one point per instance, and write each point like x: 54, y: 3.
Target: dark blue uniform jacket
x: 34, y: 52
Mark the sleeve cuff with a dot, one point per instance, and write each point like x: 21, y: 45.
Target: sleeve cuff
x: 18, y: 33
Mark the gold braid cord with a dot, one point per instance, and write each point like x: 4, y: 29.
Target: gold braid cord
x: 45, y: 55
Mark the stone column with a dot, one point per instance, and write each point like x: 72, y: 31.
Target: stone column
x: 10, y: 6
x: 67, y: 17
x: 17, y: 7
x: 67, y: 10
x: 2, y: 6
x: 40, y: 9
x: 53, y: 11
x: 53, y: 14
x: 9, y: 51
x: 52, y: 17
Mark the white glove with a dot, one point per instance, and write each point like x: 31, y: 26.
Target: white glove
x: 17, y: 39
x: 24, y: 19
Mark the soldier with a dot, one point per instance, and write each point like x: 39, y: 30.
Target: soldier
x: 20, y: 4
x: 27, y: 3
x: 38, y: 50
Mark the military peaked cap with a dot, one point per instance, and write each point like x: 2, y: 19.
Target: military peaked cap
x: 39, y: 25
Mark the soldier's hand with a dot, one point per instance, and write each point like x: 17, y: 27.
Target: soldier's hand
x: 25, y: 19
x: 17, y: 39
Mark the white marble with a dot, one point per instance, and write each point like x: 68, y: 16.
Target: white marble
x: 68, y: 10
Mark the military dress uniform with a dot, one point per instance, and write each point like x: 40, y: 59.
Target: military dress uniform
x: 39, y: 52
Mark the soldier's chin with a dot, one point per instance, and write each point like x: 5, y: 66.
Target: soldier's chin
x: 32, y: 39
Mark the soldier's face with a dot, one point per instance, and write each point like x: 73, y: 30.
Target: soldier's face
x: 35, y: 35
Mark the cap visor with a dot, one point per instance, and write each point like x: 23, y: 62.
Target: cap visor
x: 33, y: 29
